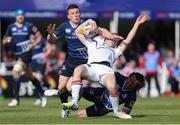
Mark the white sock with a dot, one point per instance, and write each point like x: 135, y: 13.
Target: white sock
x: 115, y: 103
x: 76, y: 89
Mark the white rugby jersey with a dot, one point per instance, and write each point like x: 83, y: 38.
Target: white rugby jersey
x: 98, y: 51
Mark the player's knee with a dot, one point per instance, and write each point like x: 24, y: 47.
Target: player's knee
x: 111, y: 86
x: 110, y: 82
x: 18, y: 69
x: 63, y: 82
x: 78, y: 70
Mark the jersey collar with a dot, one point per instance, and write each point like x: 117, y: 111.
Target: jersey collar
x: 74, y: 26
x: 18, y: 25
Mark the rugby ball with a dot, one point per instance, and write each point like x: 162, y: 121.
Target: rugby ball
x: 88, y: 30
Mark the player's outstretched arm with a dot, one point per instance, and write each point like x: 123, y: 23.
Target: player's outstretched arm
x: 140, y: 20
x: 80, y: 33
x: 108, y: 35
x: 50, y: 30
x: 37, y: 40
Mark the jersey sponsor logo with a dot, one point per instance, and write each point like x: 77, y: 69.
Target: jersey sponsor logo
x: 14, y: 29
x: 63, y: 67
x: 68, y: 30
x: 20, y: 33
x: 124, y: 96
x: 24, y: 28
x: 19, y: 30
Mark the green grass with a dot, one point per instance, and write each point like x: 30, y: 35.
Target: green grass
x: 162, y: 110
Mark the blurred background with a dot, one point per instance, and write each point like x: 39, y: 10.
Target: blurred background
x: 161, y: 34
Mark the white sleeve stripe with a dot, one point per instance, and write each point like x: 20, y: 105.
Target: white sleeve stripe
x: 55, y: 36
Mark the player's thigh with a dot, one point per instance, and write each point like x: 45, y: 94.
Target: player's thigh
x: 18, y: 69
x: 109, y: 81
x: 92, y: 94
x: 80, y: 72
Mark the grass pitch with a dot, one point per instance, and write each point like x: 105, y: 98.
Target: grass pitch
x: 161, y: 110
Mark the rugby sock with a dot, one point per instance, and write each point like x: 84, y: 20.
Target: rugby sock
x: 114, y: 98
x: 37, y: 84
x: 63, y: 95
x: 17, y: 82
x: 76, y: 89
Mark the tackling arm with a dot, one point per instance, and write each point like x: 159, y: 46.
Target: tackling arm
x: 141, y: 19
x: 81, y: 31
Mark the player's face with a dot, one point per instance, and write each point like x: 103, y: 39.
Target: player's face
x: 20, y: 18
x: 151, y: 48
x: 131, y: 83
x: 110, y: 43
x: 74, y: 15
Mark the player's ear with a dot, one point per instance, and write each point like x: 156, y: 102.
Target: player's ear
x: 68, y: 17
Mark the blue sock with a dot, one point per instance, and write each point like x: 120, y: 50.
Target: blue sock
x: 16, y: 87
x: 37, y: 84
x: 63, y: 95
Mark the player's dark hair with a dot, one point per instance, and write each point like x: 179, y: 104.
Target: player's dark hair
x: 72, y: 6
x: 140, y: 78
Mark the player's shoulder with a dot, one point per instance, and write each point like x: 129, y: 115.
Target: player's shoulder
x: 119, y: 76
x: 11, y: 25
x: 64, y: 23
x: 29, y: 24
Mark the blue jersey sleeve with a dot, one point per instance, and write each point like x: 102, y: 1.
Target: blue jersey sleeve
x: 33, y: 29
x: 60, y: 30
x: 128, y: 105
x: 8, y: 31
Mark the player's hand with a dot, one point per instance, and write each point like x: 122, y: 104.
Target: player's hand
x: 93, y: 24
x: 9, y: 39
x: 142, y: 18
x: 109, y: 35
x: 51, y: 28
x: 117, y: 37
x: 31, y: 46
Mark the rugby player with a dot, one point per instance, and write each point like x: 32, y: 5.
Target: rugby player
x: 38, y: 66
x: 76, y: 51
x: 103, y: 50
x: 127, y: 87
x: 18, y: 36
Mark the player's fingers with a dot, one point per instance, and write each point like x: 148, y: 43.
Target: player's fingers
x: 140, y: 17
x: 54, y: 25
x: 50, y: 25
x: 147, y: 17
x: 94, y: 25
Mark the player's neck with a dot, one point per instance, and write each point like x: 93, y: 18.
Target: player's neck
x: 74, y: 25
x: 18, y: 24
